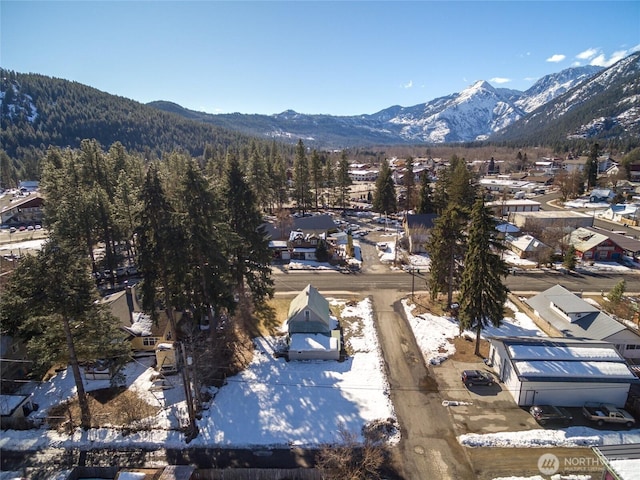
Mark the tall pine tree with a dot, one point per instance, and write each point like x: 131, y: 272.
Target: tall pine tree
x: 482, y: 291
x: 250, y: 255
x: 384, y: 196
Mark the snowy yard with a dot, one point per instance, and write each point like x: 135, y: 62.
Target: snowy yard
x: 272, y: 403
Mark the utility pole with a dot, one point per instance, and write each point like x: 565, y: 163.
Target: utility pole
x: 192, y: 428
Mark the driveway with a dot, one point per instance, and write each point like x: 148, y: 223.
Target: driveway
x: 428, y: 448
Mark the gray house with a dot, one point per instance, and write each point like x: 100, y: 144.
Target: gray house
x: 563, y: 314
x: 417, y: 228
x: 313, y: 332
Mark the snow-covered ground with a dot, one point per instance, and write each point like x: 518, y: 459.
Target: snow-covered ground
x: 272, y: 403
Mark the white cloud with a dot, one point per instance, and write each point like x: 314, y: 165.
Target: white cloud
x: 576, y: 64
x: 408, y: 85
x: 499, y: 80
x: 556, y: 58
x: 587, y: 54
x: 599, y: 59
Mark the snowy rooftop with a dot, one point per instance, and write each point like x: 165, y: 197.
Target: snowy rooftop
x: 304, y: 342
x: 558, y: 353
x: 142, y: 324
x: 573, y: 369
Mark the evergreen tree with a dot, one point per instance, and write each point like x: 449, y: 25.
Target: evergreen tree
x: 281, y: 182
x: 591, y: 168
x: 460, y: 189
x: 160, y: 249
x: 617, y: 293
x: 409, y: 183
x: 330, y: 181
x: 425, y: 200
x: 206, y: 246
x: 322, y: 253
x: 569, y: 260
x: 316, y: 175
x: 301, y: 185
x: 343, y: 181
x: 384, y: 196
x: 446, y: 247
x: 250, y: 254
x: 256, y: 175
x: 8, y: 171
x: 51, y: 303
x: 482, y: 291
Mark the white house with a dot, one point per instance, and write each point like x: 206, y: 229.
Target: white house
x: 561, y: 313
x: 566, y: 372
x: 313, y: 331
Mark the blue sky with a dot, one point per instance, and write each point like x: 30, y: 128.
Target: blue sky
x: 340, y: 58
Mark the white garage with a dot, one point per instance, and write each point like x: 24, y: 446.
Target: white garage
x: 566, y: 372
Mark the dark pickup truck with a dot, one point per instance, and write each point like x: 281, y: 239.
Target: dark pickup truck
x: 549, y: 414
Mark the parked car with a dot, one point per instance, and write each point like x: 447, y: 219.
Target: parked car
x: 550, y: 414
x: 604, y: 413
x: 476, y: 377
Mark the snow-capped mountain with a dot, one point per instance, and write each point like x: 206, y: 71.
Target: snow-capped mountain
x: 606, y: 105
x: 474, y: 114
x: 554, y: 85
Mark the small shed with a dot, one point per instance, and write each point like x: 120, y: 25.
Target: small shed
x: 166, y: 358
x: 566, y: 372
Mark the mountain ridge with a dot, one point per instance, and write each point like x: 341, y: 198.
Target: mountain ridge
x: 474, y: 114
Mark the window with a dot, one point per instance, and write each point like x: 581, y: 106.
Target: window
x: 307, y: 315
x: 149, y: 341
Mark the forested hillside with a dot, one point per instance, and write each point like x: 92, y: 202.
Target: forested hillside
x: 39, y: 111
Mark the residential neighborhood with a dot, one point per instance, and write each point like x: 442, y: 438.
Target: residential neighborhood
x: 326, y: 362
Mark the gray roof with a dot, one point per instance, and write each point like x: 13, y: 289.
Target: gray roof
x: 626, y: 243
x: 420, y: 220
x: 595, y: 324
x: 314, y: 222
x: 310, y: 298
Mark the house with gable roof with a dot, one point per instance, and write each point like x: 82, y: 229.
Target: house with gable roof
x: 591, y: 244
x: 313, y: 333
x: 417, y: 228
x: 525, y: 246
x: 561, y: 313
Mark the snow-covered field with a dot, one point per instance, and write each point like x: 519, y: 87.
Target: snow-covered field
x: 272, y: 403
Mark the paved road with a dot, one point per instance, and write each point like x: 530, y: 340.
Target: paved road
x: 401, y: 281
